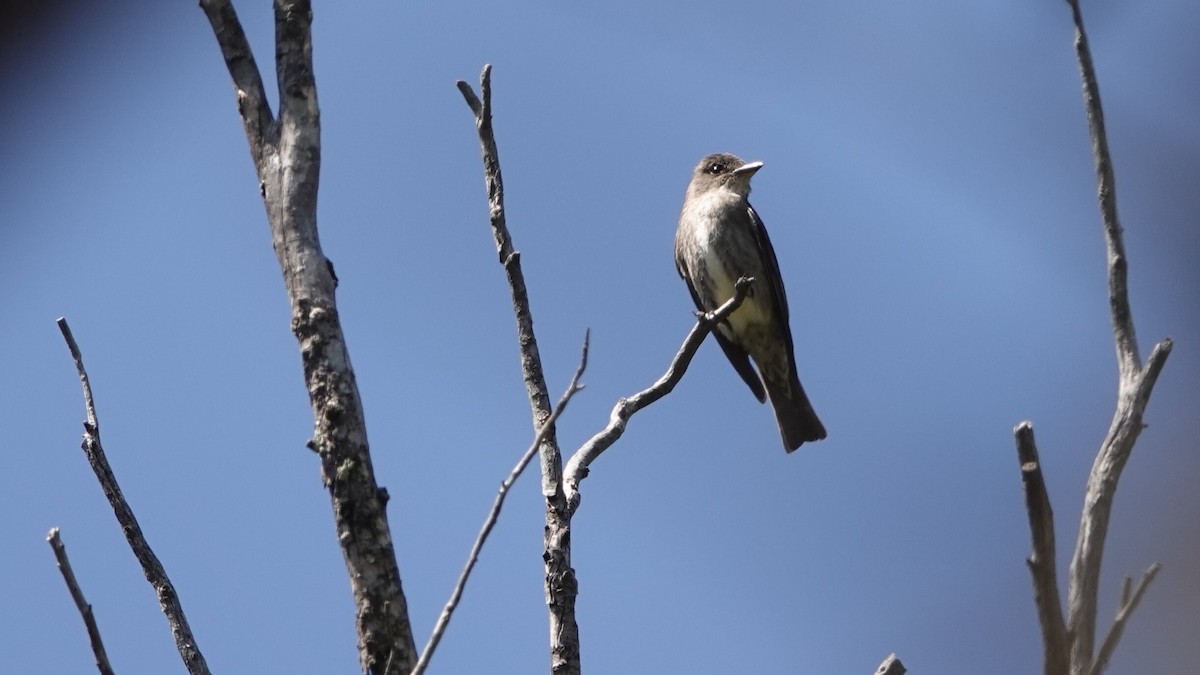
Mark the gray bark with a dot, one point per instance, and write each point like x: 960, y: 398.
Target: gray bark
x: 287, y: 157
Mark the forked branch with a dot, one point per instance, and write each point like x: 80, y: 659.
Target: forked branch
x: 1129, y: 602
x: 1078, y: 633
x: 560, y: 584
x: 444, y: 620
x: 1134, y: 387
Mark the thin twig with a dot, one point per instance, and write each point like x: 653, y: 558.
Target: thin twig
x: 1128, y: 604
x: 444, y: 620
x: 1043, y: 560
x: 81, y: 603
x: 561, y: 586
x: 577, y: 467
x: 510, y: 258
x: 168, y: 599
x: 1122, y: 316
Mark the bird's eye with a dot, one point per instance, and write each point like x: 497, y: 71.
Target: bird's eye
x: 716, y: 168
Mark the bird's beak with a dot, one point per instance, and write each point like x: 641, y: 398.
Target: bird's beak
x: 748, y: 170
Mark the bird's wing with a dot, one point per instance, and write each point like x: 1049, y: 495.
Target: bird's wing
x: 736, y: 355
x: 767, y: 253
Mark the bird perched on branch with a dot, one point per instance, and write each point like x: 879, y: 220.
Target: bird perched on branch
x: 721, y: 238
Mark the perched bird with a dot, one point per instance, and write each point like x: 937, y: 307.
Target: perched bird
x: 721, y: 238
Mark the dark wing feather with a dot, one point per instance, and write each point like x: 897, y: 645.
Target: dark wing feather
x: 798, y: 422
x: 741, y: 363
x: 736, y: 355
x: 767, y: 253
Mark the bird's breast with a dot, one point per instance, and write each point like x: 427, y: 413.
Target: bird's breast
x: 721, y: 247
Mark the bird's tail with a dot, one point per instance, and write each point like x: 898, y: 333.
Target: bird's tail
x: 798, y: 422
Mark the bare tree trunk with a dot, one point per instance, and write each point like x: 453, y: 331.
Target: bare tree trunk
x: 287, y: 157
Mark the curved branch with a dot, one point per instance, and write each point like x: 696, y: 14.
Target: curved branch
x: 577, y: 467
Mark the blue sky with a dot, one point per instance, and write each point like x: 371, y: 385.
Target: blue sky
x: 929, y: 190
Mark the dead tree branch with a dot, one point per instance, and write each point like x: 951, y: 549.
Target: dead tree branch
x: 287, y: 157
x: 1129, y: 602
x: 168, y: 599
x: 560, y: 583
x: 510, y: 258
x: 81, y: 603
x: 444, y: 620
x: 1135, y: 383
x: 1043, y: 560
x: 891, y: 666
x: 577, y: 467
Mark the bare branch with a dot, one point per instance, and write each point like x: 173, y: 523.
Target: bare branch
x: 531, y: 361
x: 294, y: 67
x: 247, y: 81
x: 577, y: 467
x: 287, y: 157
x: 1118, y: 294
x: 1149, y: 375
x: 1128, y: 604
x: 81, y: 603
x: 168, y: 600
x: 1043, y: 560
x: 473, y: 101
x: 444, y: 620
x: 891, y: 666
x: 1134, y: 384
x: 561, y: 586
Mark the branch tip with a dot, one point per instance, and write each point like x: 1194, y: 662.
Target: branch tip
x: 891, y: 666
x: 587, y: 341
x: 472, y: 100
x: 81, y: 603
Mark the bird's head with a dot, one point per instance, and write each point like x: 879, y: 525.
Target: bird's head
x: 723, y: 171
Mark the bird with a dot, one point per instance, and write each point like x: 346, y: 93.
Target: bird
x: 719, y: 239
